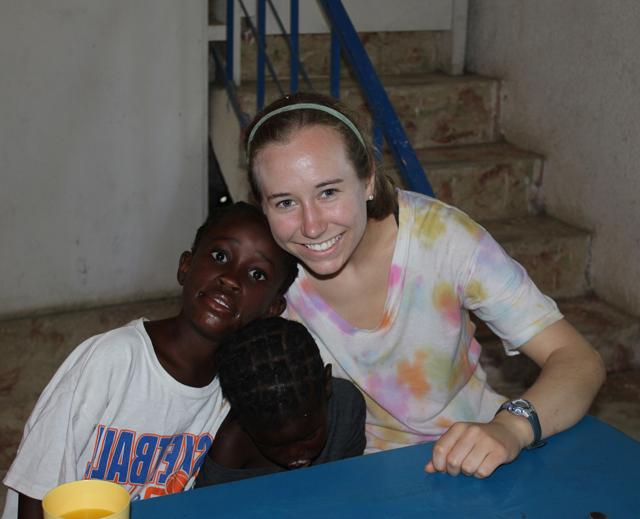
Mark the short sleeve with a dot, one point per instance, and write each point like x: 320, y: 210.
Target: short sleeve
x: 57, y: 427
x: 44, y: 446
x: 499, y: 291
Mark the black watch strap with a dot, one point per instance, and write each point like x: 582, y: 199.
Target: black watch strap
x: 525, y: 409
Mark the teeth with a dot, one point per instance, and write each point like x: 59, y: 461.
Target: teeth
x: 324, y: 245
x: 298, y: 463
x: 222, y: 302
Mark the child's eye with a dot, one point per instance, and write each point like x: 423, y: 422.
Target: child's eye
x: 257, y: 275
x: 285, y: 204
x: 219, y: 256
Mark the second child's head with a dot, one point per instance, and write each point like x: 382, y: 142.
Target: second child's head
x: 234, y: 272
x: 272, y: 374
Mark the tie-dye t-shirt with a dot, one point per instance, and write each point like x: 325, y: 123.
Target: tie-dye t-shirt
x: 419, y: 369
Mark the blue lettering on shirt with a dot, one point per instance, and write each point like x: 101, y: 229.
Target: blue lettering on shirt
x: 148, y: 459
x: 119, y: 468
x: 141, y: 463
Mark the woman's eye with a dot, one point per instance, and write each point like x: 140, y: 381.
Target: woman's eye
x: 219, y: 256
x: 257, y: 275
x: 284, y: 204
x: 328, y: 193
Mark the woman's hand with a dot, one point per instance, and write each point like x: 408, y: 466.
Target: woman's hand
x: 477, y: 449
x: 572, y: 372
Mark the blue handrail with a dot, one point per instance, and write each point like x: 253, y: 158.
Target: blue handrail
x: 344, y: 39
x: 376, y: 97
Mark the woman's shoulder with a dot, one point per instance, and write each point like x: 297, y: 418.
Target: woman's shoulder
x: 431, y: 219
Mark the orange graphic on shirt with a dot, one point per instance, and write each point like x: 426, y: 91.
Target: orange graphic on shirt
x: 176, y: 482
x: 443, y: 422
x: 446, y: 302
x: 412, y: 374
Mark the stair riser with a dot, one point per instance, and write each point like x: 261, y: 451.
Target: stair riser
x: 557, y: 265
x: 420, y: 52
x: 484, y: 191
x: 433, y: 114
x: 613, y: 334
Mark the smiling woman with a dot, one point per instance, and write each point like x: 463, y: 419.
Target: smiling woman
x: 320, y: 219
x: 388, y: 281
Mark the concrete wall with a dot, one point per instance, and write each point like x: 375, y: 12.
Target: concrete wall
x: 367, y: 15
x: 571, y: 87
x: 102, y: 148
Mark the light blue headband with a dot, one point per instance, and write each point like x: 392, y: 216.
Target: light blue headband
x: 304, y: 106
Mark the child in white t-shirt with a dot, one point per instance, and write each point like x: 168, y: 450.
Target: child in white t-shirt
x: 139, y: 405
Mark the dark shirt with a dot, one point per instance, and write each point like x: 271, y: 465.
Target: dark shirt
x: 345, y: 438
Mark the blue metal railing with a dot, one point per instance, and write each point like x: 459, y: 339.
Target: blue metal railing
x: 344, y: 42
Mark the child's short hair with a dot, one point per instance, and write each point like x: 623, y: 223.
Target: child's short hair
x: 290, y: 261
x: 271, y: 371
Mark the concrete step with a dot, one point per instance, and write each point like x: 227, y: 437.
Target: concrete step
x: 421, y: 52
x: 487, y: 181
x: 555, y: 255
x: 435, y: 109
x: 612, y: 332
x: 618, y: 402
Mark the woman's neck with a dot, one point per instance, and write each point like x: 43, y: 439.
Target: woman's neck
x: 358, y: 292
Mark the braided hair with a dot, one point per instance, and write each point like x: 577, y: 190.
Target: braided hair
x: 289, y: 261
x: 271, y: 372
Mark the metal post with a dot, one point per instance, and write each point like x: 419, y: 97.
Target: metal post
x: 293, y: 84
x: 230, y: 28
x: 261, y: 22
x: 335, y: 64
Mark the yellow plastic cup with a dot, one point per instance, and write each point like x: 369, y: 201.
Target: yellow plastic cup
x: 87, y: 499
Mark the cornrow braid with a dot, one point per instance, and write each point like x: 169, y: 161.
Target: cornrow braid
x: 271, y: 372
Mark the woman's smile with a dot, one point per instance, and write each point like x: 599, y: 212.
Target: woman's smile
x: 325, y: 245
x: 313, y: 198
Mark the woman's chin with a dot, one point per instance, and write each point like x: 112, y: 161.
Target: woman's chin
x: 323, y: 269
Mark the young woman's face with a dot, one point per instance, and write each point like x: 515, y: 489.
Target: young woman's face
x: 296, y: 444
x: 315, y: 203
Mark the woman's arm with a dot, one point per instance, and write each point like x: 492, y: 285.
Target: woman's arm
x: 572, y: 373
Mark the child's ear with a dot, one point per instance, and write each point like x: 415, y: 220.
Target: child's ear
x: 327, y: 380
x: 277, y: 306
x: 183, y: 266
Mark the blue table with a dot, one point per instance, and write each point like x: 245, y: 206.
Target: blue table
x: 591, y: 467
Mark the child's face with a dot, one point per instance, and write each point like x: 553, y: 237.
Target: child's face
x: 233, y: 277
x: 296, y: 444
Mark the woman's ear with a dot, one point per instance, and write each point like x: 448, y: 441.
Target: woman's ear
x: 183, y: 266
x: 327, y: 380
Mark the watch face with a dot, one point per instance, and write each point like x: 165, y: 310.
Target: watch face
x: 521, y: 404
x: 519, y: 411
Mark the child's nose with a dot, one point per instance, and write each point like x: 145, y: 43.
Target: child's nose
x: 229, y: 280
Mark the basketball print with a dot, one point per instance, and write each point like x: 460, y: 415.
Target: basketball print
x: 176, y: 482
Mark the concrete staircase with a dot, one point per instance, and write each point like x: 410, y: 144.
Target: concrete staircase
x: 453, y: 122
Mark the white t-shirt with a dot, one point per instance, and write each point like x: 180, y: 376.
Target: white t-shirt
x: 112, y: 412
x: 419, y: 369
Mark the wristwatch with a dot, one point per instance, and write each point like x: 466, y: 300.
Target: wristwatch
x: 524, y: 408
